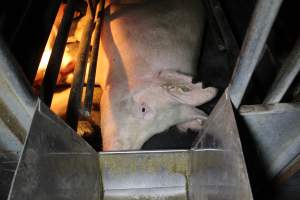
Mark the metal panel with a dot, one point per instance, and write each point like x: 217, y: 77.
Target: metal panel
x: 16, y: 102
x: 55, y: 162
x: 8, y: 164
x: 218, y: 175
x: 174, y: 174
x: 222, y: 173
x: 275, y: 129
x: 144, y: 175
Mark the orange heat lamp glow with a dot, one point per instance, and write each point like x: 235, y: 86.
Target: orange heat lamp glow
x: 67, y: 58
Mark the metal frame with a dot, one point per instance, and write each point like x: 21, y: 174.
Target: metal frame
x: 217, y: 151
x: 88, y: 100
x: 56, y: 163
x: 275, y: 130
x: 285, y: 77
x: 74, y: 103
x: 260, y: 26
x: 49, y: 81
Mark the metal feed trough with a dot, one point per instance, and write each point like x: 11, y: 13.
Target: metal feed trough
x: 57, y: 164
x: 41, y: 157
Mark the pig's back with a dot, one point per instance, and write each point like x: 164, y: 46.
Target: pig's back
x: 140, y: 39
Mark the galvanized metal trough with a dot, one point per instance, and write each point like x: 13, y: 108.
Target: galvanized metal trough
x: 57, y: 164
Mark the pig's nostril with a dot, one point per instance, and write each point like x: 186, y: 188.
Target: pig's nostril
x: 143, y: 109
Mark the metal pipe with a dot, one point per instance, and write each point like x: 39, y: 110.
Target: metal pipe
x: 74, y: 103
x: 260, y: 26
x: 285, y: 77
x: 49, y: 82
x: 231, y: 44
x: 88, y: 100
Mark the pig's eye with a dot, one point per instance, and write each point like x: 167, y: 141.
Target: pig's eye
x: 143, y: 107
x: 144, y: 111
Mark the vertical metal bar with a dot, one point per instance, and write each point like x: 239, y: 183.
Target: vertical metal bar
x: 74, y: 103
x: 88, y: 100
x: 231, y: 44
x: 49, y: 82
x: 31, y: 37
x: 92, y: 7
x: 285, y: 77
x: 260, y: 26
x: 214, y: 26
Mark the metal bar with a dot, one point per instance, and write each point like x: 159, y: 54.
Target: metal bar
x: 260, y: 26
x: 74, y: 103
x: 92, y: 7
x: 88, y: 101
x: 231, y: 44
x: 285, y: 77
x: 214, y: 26
x: 49, y: 82
x: 16, y: 23
x: 29, y: 41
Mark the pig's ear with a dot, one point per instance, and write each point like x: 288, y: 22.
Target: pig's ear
x: 181, y: 89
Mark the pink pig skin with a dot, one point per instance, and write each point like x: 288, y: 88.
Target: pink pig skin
x: 148, y: 53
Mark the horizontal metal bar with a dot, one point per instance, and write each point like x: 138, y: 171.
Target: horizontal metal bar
x: 88, y: 100
x: 74, y: 103
x: 285, y: 77
x: 52, y: 71
x: 260, y: 26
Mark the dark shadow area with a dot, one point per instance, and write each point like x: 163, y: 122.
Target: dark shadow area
x: 256, y: 167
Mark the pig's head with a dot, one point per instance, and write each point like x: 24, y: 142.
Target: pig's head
x: 168, y: 99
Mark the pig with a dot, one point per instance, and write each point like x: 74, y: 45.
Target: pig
x: 148, y: 54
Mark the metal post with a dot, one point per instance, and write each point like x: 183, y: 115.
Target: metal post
x: 74, y: 103
x: 260, y: 26
x: 49, y: 82
x: 285, y: 77
x: 230, y: 42
x: 88, y: 100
